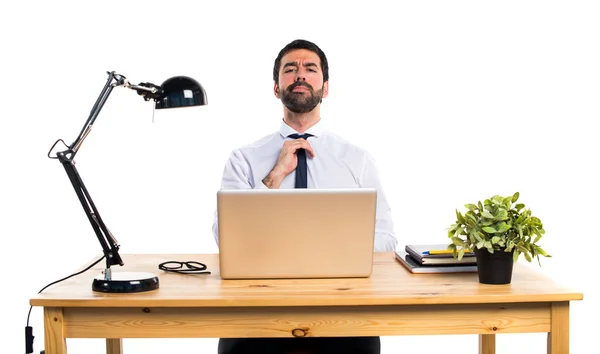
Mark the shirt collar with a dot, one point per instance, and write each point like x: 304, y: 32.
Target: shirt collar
x: 316, y: 130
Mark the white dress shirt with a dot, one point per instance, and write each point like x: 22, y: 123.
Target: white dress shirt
x: 337, y: 164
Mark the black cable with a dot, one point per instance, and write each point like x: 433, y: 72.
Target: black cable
x: 28, y: 330
x: 53, y: 146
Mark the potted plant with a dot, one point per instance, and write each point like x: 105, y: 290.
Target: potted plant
x: 498, y: 231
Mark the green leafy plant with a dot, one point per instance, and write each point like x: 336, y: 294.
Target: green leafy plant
x: 499, y: 224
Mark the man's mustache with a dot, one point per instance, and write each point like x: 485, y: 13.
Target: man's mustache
x: 299, y: 83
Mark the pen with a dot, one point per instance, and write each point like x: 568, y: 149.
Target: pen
x: 431, y: 252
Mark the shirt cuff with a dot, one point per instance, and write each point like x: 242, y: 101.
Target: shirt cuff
x: 260, y: 185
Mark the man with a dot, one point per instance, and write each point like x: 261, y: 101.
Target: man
x: 291, y: 159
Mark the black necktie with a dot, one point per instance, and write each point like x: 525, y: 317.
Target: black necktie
x: 301, y: 178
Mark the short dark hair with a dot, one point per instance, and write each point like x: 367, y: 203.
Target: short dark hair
x: 301, y: 44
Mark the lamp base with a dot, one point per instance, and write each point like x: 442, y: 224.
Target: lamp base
x: 126, y: 282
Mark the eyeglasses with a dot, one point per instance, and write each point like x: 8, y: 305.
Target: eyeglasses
x: 189, y: 267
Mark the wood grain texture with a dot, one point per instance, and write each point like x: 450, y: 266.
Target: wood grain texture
x: 558, y: 338
x: 487, y: 344
x: 54, y: 335
x: 299, y: 322
x: 114, y: 346
x: 390, y: 284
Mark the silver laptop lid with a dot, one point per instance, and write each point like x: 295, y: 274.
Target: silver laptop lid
x: 296, y: 233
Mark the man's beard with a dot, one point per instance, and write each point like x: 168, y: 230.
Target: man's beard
x: 300, y: 102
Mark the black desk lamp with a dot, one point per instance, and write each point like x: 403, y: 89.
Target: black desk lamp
x: 179, y: 91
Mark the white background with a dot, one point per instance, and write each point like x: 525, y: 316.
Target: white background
x: 457, y: 101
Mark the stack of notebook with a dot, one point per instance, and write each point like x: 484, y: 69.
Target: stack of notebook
x: 435, y: 259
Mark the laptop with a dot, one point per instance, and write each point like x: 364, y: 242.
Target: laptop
x: 296, y: 233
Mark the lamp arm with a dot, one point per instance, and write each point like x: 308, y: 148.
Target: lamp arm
x: 110, y: 245
x: 112, y: 81
x: 145, y: 89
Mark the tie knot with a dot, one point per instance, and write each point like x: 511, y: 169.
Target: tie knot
x: 298, y: 136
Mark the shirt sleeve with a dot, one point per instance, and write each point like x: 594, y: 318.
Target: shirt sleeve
x: 236, y: 175
x: 385, y: 239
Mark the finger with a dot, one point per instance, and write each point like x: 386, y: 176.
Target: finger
x: 311, y: 152
x: 293, y: 145
x: 306, y: 146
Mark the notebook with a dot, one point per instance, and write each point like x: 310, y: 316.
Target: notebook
x: 419, y: 254
x: 296, y: 233
x: 415, y: 267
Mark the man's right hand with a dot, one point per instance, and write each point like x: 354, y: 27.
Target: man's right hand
x: 287, y: 161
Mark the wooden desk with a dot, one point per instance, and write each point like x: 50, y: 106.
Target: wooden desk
x: 391, y: 302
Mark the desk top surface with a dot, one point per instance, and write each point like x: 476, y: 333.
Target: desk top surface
x: 390, y: 284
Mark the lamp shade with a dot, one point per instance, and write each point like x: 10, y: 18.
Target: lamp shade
x: 181, y: 91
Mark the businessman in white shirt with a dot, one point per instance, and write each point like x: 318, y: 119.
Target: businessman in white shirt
x: 303, y: 154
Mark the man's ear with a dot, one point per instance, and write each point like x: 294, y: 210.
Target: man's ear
x: 276, y: 90
x: 325, y: 88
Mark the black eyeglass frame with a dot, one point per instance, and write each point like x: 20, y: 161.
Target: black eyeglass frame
x: 193, y: 267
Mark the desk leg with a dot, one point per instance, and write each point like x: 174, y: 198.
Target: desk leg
x: 114, y: 346
x: 558, y: 337
x: 54, y: 334
x: 487, y: 344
